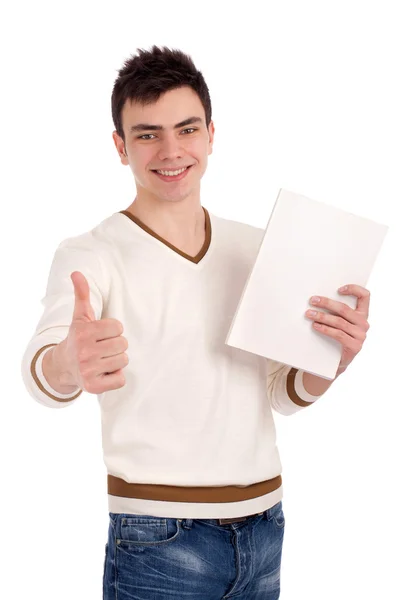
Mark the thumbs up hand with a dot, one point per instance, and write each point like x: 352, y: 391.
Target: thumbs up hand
x: 94, y: 351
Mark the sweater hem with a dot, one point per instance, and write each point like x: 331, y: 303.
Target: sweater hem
x: 193, y: 510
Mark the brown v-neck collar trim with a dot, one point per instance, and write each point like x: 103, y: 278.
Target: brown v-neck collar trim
x: 195, y: 259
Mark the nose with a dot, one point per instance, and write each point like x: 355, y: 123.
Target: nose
x: 170, y: 149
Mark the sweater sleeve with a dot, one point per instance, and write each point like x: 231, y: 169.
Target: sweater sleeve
x: 285, y: 389
x: 73, y: 254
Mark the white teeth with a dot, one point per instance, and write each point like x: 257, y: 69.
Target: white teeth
x: 172, y: 172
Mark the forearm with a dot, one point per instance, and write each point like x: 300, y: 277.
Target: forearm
x: 55, y: 370
x: 316, y: 386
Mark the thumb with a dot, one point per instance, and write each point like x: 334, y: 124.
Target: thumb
x: 83, y: 310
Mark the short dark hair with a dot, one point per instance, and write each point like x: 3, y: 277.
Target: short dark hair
x: 146, y: 76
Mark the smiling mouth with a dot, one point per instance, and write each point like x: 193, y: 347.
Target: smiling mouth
x: 172, y: 178
x: 171, y: 170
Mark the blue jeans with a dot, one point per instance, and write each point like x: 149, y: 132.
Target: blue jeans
x: 154, y: 558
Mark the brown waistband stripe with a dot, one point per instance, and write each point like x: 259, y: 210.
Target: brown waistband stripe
x: 172, y: 493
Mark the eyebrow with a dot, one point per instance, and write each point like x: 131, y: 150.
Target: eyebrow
x: 148, y: 127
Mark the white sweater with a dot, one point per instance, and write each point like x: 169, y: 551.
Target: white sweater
x: 191, y: 434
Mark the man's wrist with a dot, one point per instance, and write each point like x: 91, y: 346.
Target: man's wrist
x: 60, y: 378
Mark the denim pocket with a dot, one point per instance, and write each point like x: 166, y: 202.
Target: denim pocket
x: 146, y: 531
x: 277, y: 515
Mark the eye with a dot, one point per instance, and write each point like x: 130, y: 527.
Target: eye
x: 146, y: 135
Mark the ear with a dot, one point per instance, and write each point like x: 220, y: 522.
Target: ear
x: 120, y: 146
x: 211, y: 132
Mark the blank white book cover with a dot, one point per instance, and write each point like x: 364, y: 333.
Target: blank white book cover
x: 309, y: 248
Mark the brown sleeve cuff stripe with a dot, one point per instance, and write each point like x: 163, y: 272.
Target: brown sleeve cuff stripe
x: 39, y: 383
x: 291, y: 389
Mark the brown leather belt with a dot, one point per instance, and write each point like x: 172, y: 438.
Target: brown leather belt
x: 237, y: 519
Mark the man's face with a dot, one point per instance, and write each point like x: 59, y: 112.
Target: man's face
x: 169, y: 148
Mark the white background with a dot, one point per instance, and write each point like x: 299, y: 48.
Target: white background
x: 305, y: 96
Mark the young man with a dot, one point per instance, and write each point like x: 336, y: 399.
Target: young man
x: 194, y: 475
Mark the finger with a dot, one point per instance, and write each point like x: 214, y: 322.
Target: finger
x: 345, y: 340
x: 107, y: 328
x: 341, y: 324
x: 362, y: 294
x: 343, y: 310
x: 83, y: 310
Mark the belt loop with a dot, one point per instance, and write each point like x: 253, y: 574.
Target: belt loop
x: 186, y: 523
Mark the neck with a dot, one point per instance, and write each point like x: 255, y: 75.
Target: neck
x: 183, y: 225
